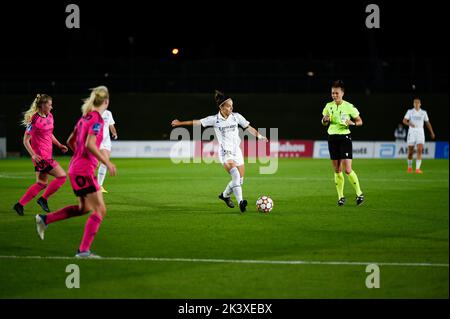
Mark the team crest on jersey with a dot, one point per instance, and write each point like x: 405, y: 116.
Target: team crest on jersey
x: 96, y: 127
x: 29, y: 127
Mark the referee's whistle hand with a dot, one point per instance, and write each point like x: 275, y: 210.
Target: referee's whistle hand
x: 348, y: 122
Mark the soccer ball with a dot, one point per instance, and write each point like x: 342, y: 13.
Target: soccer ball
x: 264, y: 204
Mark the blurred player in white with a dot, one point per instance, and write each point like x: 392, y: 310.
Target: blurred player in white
x: 105, y: 146
x: 400, y: 133
x: 226, y: 126
x: 415, y: 118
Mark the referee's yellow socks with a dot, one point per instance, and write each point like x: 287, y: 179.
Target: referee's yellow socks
x: 339, y: 180
x: 355, y: 182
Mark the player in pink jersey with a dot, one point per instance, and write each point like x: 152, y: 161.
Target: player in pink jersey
x: 38, y: 140
x: 84, y: 142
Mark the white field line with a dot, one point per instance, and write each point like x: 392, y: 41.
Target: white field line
x: 237, y: 261
x: 293, y: 178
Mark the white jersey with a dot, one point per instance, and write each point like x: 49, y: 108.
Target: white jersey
x: 108, y: 120
x: 227, y: 130
x: 400, y: 134
x: 416, y: 118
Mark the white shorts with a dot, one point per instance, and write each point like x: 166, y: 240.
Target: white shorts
x: 415, y: 137
x: 235, y: 156
x: 106, y: 145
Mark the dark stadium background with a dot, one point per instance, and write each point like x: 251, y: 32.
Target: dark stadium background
x: 260, y: 53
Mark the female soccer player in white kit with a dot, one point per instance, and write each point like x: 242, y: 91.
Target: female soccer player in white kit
x: 225, y: 125
x: 414, y: 118
x: 105, y: 146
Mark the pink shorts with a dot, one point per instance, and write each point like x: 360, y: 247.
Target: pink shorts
x: 45, y: 165
x: 83, y: 185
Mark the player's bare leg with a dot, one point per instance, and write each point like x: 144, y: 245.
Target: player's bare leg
x: 55, y: 184
x: 353, y: 178
x: 42, y: 221
x: 243, y: 203
x: 410, y: 157
x: 94, y: 201
x: 235, y: 184
x: 226, y: 194
x: 339, y: 180
x: 241, y: 172
x: 32, y: 192
x: 419, y: 158
x: 102, y: 170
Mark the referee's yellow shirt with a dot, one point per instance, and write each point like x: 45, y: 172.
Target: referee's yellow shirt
x: 338, y: 115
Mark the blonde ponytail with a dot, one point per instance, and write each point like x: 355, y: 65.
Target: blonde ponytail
x: 34, y: 107
x: 97, y: 97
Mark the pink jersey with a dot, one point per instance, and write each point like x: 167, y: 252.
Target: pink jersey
x: 41, y: 131
x: 84, y: 162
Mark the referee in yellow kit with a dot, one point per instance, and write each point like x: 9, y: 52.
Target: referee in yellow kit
x: 339, y: 115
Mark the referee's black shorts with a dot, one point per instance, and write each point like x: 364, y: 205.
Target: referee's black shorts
x: 340, y: 146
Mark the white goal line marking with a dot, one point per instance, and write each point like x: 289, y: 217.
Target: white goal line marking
x: 238, y: 261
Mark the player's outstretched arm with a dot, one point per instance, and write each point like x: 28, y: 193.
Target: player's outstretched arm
x: 406, y: 122
x: 326, y: 120
x: 71, y: 141
x: 113, y: 130
x: 92, y: 147
x: 176, y: 123
x: 430, y: 128
x: 255, y: 133
x: 62, y: 147
x: 357, y: 121
x: 27, y: 144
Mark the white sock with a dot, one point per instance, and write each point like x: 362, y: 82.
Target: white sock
x: 228, y: 190
x: 418, y: 163
x: 236, y: 183
x: 101, y: 174
x: 242, y: 180
x: 410, y: 163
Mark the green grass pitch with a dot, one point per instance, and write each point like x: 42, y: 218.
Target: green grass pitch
x: 157, y: 209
